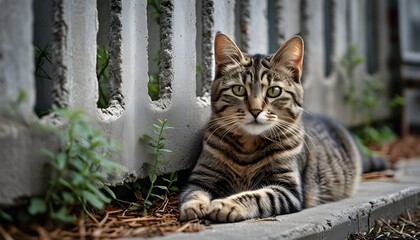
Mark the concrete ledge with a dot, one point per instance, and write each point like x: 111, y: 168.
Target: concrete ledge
x: 22, y: 172
x: 373, y: 201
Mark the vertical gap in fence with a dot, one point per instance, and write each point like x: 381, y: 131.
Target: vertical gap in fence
x: 109, y: 59
x: 153, y: 24
x: 42, y: 38
x: 304, y: 16
x: 372, y: 36
x: 276, y: 24
x: 328, y: 38
x: 348, y: 22
x: 102, y: 53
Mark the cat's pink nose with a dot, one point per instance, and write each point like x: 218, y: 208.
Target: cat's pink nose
x: 255, y: 112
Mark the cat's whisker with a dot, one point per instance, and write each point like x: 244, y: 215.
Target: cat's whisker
x: 275, y: 133
x: 217, y: 121
x: 225, y: 123
x: 296, y: 128
x: 228, y: 130
x: 301, y: 108
x: 268, y: 138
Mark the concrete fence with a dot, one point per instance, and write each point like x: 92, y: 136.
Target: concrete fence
x: 185, y: 39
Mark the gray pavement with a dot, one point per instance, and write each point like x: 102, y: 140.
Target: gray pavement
x: 374, y: 200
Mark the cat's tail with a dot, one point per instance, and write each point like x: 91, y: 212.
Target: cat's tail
x: 374, y: 163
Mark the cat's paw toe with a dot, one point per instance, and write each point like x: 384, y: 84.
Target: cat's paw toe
x: 224, y: 210
x: 194, y: 209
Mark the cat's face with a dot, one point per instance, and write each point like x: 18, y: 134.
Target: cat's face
x: 257, y: 95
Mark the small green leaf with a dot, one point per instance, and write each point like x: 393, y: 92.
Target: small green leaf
x: 67, y: 198
x: 162, y: 187
x: 61, y: 160
x: 167, y: 127
x: 174, y: 188
x: 92, y: 200
x: 152, y: 177
x: 147, y: 138
x: 155, y: 132
x: 148, y: 203
x: 63, y: 215
x: 37, y: 206
x: 78, y: 180
x: 164, y: 150
x: 157, y: 196
x: 49, y: 153
x: 98, y: 193
x: 174, y: 176
x: 5, y: 216
x: 109, y: 191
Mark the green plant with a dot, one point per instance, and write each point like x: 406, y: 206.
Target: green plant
x: 77, y: 170
x: 102, y: 74
x: 157, y: 143
x: 21, y: 98
x: 155, y: 6
x: 5, y: 217
x: 153, y: 86
x: 366, y: 102
x: 42, y: 57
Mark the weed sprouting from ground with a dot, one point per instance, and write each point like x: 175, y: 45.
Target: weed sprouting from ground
x: 78, y: 170
x: 157, y: 142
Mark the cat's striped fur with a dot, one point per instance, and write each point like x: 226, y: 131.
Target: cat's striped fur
x: 262, y: 154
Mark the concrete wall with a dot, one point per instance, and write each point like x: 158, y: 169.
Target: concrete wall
x: 21, y: 138
x: 131, y: 112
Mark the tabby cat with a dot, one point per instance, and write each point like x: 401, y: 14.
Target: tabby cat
x: 263, y: 155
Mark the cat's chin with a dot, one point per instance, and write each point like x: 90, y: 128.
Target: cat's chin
x: 256, y: 128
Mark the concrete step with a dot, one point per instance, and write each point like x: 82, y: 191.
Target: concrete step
x: 374, y: 200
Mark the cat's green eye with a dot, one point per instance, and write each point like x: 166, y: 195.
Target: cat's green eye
x: 239, y: 90
x: 274, y: 92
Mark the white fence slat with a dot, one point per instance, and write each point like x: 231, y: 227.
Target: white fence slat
x: 137, y: 105
x: 21, y: 138
x: 82, y: 28
x: 184, y: 53
x: 16, y: 56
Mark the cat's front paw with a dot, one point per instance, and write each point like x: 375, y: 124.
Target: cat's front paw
x: 226, y: 210
x: 193, y: 209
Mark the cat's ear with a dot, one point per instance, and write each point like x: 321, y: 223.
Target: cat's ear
x: 225, y: 50
x: 290, y: 56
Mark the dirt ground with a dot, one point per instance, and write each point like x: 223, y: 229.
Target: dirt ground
x: 406, y: 226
